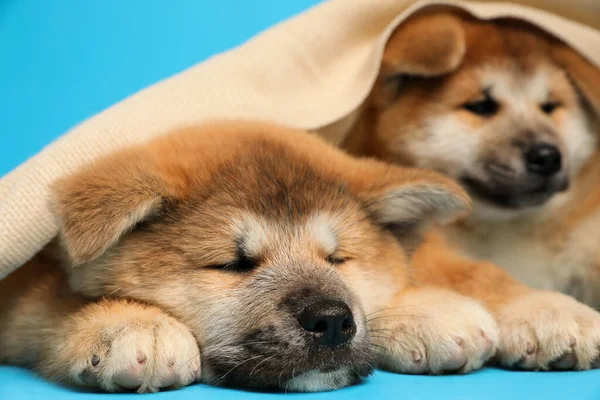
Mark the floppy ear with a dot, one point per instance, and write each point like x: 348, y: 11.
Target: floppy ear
x: 584, y: 75
x: 426, y: 45
x: 408, y: 201
x: 98, y: 205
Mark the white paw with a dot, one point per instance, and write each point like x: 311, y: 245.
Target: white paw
x: 434, y: 332
x: 547, y: 330
x: 146, y: 355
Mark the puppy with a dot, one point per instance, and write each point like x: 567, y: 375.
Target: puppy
x: 255, y: 256
x: 512, y: 114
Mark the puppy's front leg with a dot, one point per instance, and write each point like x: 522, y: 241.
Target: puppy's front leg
x: 111, y: 345
x: 432, y: 330
x: 538, y: 329
x: 117, y: 345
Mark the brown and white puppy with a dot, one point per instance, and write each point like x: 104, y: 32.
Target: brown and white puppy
x: 256, y: 256
x: 512, y: 114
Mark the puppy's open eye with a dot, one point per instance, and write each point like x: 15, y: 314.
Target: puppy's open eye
x: 549, y: 107
x: 486, y: 107
x: 333, y: 260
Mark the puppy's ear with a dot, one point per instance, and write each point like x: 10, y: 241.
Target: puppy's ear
x: 99, y: 204
x: 426, y: 45
x: 408, y: 201
x: 583, y: 74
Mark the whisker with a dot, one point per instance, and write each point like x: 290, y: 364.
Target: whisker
x: 410, y: 305
x: 382, y: 330
x: 379, y: 349
x: 408, y: 316
x: 390, y: 337
x: 280, y: 374
x: 255, y: 342
x: 187, y: 362
x: 251, y: 343
x: 114, y: 291
x: 260, y: 362
x: 237, y: 365
x: 388, y: 309
x: 380, y: 353
x: 226, y: 346
x: 379, y: 346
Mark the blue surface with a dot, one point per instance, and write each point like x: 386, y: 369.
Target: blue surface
x: 61, y: 61
x: 18, y: 384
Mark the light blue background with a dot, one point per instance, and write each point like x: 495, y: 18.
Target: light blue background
x: 61, y: 61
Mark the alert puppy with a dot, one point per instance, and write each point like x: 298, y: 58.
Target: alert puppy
x: 512, y: 114
x: 255, y: 256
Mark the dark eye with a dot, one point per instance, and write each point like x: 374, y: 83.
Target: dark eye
x: 549, y: 107
x: 485, y: 108
x: 335, y: 260
x: 241, y: 264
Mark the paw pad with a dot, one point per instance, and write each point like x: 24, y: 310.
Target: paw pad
x: 566, y: 361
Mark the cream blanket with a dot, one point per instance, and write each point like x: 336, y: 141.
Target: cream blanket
x: 311, y: 71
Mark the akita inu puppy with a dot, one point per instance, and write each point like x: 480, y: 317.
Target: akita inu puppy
x: 256, y: 256
x: 512, y: 114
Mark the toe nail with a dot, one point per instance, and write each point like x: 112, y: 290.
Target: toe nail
x: 459, y: 341
x: 95, y: 360
x: 141, y: 357
x: 530, y: 348
x: 171, y: 362
x: 416, y: 356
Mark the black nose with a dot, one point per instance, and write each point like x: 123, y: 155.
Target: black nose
x: 329, y: 321
x: 544, y: 160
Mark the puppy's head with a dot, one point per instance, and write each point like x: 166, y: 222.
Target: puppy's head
x: 500, y: 106
x: 267, y: 243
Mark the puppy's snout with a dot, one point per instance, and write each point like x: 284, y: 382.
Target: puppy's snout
x: 544, y: 160
x: 330, y: 322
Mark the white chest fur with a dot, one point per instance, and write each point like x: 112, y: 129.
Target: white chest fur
x: 569, y: 266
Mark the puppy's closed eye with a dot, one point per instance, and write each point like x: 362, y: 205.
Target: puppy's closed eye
x: 240, y: 264
x: 336, y: 260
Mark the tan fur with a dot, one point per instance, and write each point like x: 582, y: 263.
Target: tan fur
x: 159, y: 289
x: 423, y: 123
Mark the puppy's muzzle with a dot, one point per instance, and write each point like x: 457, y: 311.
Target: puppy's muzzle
x: 540, y: 174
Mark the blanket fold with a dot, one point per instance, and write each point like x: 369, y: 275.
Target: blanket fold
x: 312, y: 71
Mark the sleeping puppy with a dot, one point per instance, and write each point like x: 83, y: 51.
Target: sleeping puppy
x: 512, y: 114
x: 255, y: 256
